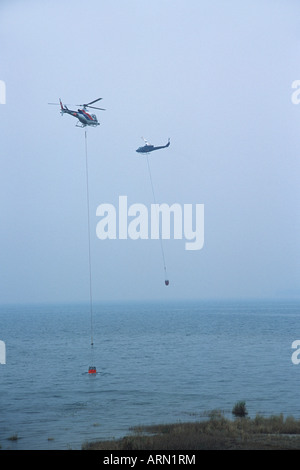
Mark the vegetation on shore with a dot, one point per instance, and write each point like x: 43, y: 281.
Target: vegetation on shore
x: 217, y: 432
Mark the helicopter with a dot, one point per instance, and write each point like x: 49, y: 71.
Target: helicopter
x: 82, y: 115
x: 150, y: 148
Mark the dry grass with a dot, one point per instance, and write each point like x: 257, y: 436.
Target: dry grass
x: 215, y: 433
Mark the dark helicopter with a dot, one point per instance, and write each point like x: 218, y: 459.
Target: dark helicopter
x: 150, y: 148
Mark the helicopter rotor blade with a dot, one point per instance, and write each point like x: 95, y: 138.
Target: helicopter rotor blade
x: 94, y: 107
x: 85, y: 105
x: 91, y: 102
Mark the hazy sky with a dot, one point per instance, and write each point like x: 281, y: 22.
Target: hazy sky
x: 216, y: 77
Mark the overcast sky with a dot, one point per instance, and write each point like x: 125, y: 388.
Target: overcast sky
x: 216, y: 77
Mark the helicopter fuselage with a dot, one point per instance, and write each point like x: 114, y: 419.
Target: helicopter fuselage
x: 85, y: 118
x: 150, y: 148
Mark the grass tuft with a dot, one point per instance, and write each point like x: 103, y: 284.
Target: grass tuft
x: 239, y: 410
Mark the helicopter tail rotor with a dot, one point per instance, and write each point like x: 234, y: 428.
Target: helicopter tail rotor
x: 63, y: 108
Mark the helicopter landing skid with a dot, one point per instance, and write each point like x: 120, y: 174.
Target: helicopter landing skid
x: 87, y: 125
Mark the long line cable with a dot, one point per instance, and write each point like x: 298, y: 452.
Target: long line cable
x: 160, y: 238
x: 89, y: 236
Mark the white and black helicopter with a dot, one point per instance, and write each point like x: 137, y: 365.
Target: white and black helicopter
x: 84, y: 118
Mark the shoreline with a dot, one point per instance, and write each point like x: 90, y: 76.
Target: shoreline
x: 216, y: 433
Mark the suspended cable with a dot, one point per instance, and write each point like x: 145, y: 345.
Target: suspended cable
x: 89, y: 237
x: 157, y: 215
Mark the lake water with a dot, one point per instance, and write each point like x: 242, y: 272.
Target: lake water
x: 156, y: 363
